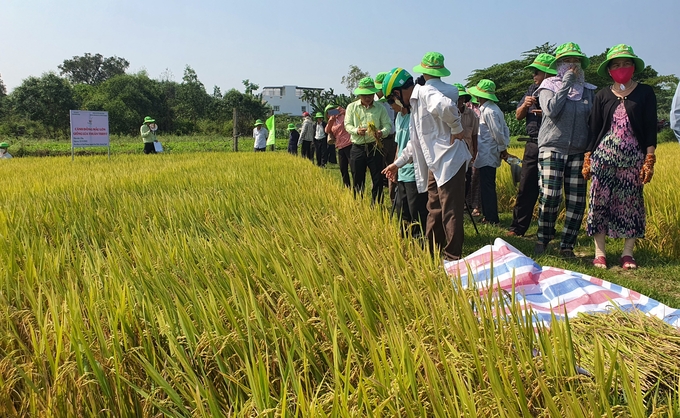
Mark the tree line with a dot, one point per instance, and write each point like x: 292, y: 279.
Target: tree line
x: 40, y: 106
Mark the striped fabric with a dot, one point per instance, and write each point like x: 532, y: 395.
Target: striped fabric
x: 543, y: 289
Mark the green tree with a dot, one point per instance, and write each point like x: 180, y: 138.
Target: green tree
x: 3, y: 94
x: 129, y: 98
x: 192, y: 99
x: 250, y: 87
x: 3, y: 89
x: 92, y: 69
x: 319, y: 99
x: 47, y: 99
x: 248, y: 107
x: 351, y: 80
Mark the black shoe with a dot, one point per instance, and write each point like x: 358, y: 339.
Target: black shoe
x: 567, y: 253
x: 540, y: 248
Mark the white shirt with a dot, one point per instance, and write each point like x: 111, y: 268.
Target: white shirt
x: 493, y: 137
x: 448, y: 90
x: 5, y: 154
x: 675, y: 113
x: 260, y: 137
x: 320, y: 131
x: 391, y: 115
x: 434, y: 117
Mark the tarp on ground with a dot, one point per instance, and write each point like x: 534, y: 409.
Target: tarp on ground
x: 543, y: 289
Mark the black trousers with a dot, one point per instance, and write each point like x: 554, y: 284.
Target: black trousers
x: 320, y: 147
x: 343, y: 159
x: 415, y: 210
x: 308, y: 150
x: 149, y: 148
x: 487, y: 182
x: 364, y: 157
x: 527, y: 195
x: 330, y: 154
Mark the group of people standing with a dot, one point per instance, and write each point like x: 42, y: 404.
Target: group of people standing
x: 575, y: 135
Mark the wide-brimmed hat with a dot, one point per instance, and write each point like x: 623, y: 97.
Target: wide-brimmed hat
x: 259, y: 122
x: 486, y: 89
x: 379, y: 80
x: 474, y: 99
x: 291, y: 127
x: 432, y: 64
x: 542, y: 63
x: 570, y: 49
x: 620, y: 51
x: 461, y: 90
x: 4, y: 145
x: 318, y: 115
x: 366, y: 86
x: 149, y: 119
x: 328, y: 107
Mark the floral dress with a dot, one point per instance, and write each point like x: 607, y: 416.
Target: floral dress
x: 617, y: 207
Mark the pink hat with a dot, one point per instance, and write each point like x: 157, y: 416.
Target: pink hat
x: 305, y: 114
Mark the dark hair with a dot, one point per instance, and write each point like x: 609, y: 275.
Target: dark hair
x: 420, y: 80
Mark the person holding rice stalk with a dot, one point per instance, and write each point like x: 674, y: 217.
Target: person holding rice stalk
x: 620, y: 157
x: 439, y: 155
x: 367, y: 123
x: 148, y: 132
x: 565, y: 100
x: 260, y: 134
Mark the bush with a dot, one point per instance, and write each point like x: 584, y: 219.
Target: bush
x: 666, y: 135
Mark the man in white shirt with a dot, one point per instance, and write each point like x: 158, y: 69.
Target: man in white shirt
x: 260, y: 134
x: 675, y: 113
x: 492, y: 144
x: 439, y: 156
x: 3, y: 150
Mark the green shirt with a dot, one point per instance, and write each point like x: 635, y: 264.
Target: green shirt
x: 147, y: 134
x: 357, y: 116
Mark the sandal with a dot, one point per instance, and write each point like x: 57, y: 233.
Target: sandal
x: 628, y: 263
x: 476, y: 212
x: 600, y: 262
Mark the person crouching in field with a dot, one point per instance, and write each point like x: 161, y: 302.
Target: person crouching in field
x: 148, y: 135
x: 620, y: 155
x: 439, y: 155
x: 492, y: 144
x: 260, y: 134
x: 293, y: 138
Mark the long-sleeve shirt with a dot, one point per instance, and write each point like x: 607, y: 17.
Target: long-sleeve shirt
x: 448, y: 90
x: 434, y: 118
x: 402, y: 135
x: 260, y: 137
x: 470, y: 122
x: 337, y: 129
x: 391, y: 116
x: 358, y: 116
x: 675, y: 113
x: 564, y: 127
x: 494, y: 136
x: 147, y: 134
x: 320, y: 131
x: 307, y: 130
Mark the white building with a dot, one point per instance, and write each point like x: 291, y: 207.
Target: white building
x: 287, y: 99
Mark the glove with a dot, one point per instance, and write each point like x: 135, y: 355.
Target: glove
x: 647, y: 170
x: 585, y: 171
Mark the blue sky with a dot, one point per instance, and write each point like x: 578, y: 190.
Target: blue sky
x: 313, y: 43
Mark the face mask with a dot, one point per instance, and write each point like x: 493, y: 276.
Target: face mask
x: 398, y: 103
x: 622, y: 75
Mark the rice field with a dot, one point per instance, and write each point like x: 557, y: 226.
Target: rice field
x: 223, y: 284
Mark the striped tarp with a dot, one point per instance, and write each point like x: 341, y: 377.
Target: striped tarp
x: 548, y: 288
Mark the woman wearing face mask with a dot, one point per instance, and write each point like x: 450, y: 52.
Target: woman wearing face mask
x: 620, y: 157
x: 566, y: 100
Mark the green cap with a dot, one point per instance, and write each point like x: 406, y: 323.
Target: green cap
x: 366, y: 86
x: 620, y: 51
x: 394, y: 80
x: 328, y: 107
x: 474, y: 100
x: 486, y: 89
x: 4, y: 145
x: 461, y: 90
x: 570, y: 49
x: 379, y: 79
x: 149, y: 119
x: 432, y: 64
x: 318, y: 115
x: 542, y: 63
x: 259, y: 122
x: 291, y: 127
